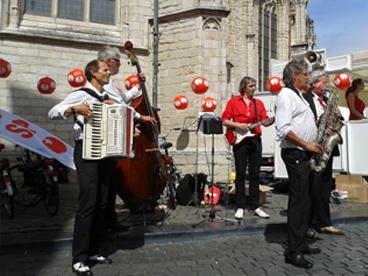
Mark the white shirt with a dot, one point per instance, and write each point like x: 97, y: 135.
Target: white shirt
x: 75, y: 98
x: 117, y: 97
x: 292, y: 113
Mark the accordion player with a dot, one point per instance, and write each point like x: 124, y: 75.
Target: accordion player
x: 109, y: 133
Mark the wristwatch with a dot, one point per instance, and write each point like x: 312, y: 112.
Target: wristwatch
x: 72, y: 109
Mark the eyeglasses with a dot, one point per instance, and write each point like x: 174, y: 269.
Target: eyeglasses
x: 117, y: 60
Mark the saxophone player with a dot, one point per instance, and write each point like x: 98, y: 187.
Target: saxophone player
x: 323, y: 182
x: 297, y: 130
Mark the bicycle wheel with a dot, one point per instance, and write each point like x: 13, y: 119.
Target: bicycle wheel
x: 6, y: 200
x: 50, y: 195
x: 25, y: 195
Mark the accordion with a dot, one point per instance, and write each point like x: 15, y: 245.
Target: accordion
x: 109, y: 133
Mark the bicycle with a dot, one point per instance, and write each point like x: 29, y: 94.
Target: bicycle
x: 6, y: 186
x: 174, y: 175
x: 40, y: 182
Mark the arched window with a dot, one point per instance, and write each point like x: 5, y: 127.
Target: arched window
x: 267, y: 36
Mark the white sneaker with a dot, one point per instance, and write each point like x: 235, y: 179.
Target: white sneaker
x: 81, y: 269
x: 239, y: 213
x: 259, y: 212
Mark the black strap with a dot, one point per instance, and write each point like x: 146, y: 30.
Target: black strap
x: 255, y: 108
x: 94, y: 94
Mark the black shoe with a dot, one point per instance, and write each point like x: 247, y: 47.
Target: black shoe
x: 98, y: 259
x: 81, y: 269
x: 312, y: 251
x: 300, y: 261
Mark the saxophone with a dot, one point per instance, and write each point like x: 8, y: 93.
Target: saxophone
x: 317, y: 164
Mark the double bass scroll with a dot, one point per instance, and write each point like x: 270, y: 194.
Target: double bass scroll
x: 145, y: 176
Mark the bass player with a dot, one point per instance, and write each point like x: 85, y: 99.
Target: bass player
x: 240, y: 114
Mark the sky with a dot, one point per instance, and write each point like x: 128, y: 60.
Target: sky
x: 341, y: 26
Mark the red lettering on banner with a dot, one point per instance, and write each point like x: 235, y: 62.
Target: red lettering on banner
x: 24, y: 128
x: 55, y: 145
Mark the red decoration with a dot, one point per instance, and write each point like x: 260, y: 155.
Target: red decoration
x: 46, y: 85
x: 342, y: 81
x: 199, y: 85
x: 121, y: 90
x: 5, y: 68
x: 306, y: 89
x: 76, y: 78
x: 209, y: 104
x: 131, y: 81
x: 180, y: 102
x: 274, y: 84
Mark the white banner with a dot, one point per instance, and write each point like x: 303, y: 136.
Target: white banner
x: 34, y: 138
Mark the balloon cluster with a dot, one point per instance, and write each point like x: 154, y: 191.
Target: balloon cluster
x: 199, y: 85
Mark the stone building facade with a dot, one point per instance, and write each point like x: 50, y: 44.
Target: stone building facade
x: 220, y: 40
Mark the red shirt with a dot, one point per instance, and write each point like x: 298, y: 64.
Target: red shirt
x: 237, y: 110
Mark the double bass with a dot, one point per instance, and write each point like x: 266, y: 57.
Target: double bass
x: 145, y: 176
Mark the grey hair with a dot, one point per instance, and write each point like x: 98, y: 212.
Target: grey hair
x: 294, y: 66
x: 108, y: 52
x: 316, y: 75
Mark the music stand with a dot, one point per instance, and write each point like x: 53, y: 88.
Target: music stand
x: 212, y: 126
x: 194, y: 197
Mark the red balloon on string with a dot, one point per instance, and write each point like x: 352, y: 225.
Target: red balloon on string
x: 199, y: 85
x: 180, y: 102
x: 342, y: 81
x: 274, y: 84
x: 5, y: 68
x: 131, y: 81
x: 209, y: 104
x: 76, y: 78
x: 46, y: 85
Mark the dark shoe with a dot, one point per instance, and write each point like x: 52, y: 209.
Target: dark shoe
x: 312, y: 251
x: 300, y: 261
x: 99, y: 259
x: 331, y: 230
x: 81, y: 269
x: 310, y: 233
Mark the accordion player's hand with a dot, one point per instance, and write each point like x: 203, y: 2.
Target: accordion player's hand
x: 85, y: 110
x: 137, y: 132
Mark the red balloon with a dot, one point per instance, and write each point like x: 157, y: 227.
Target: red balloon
x: 199, y: 85
x: 274, y: 84
x: 342, y: 81
x: 209, y: 104
x: 46, y: 85
x: 5, y: 68
x: 76, y: 78
x: 180, y: 102
x: 131, y: 81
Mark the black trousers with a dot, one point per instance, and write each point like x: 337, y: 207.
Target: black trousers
x: 93, y: 181
x: 110, y: 216
x: 299, y: 205
x: 320, y: 195
x: 249, y: 149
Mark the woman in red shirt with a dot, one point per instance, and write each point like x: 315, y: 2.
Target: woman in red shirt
x: 356, y: 106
